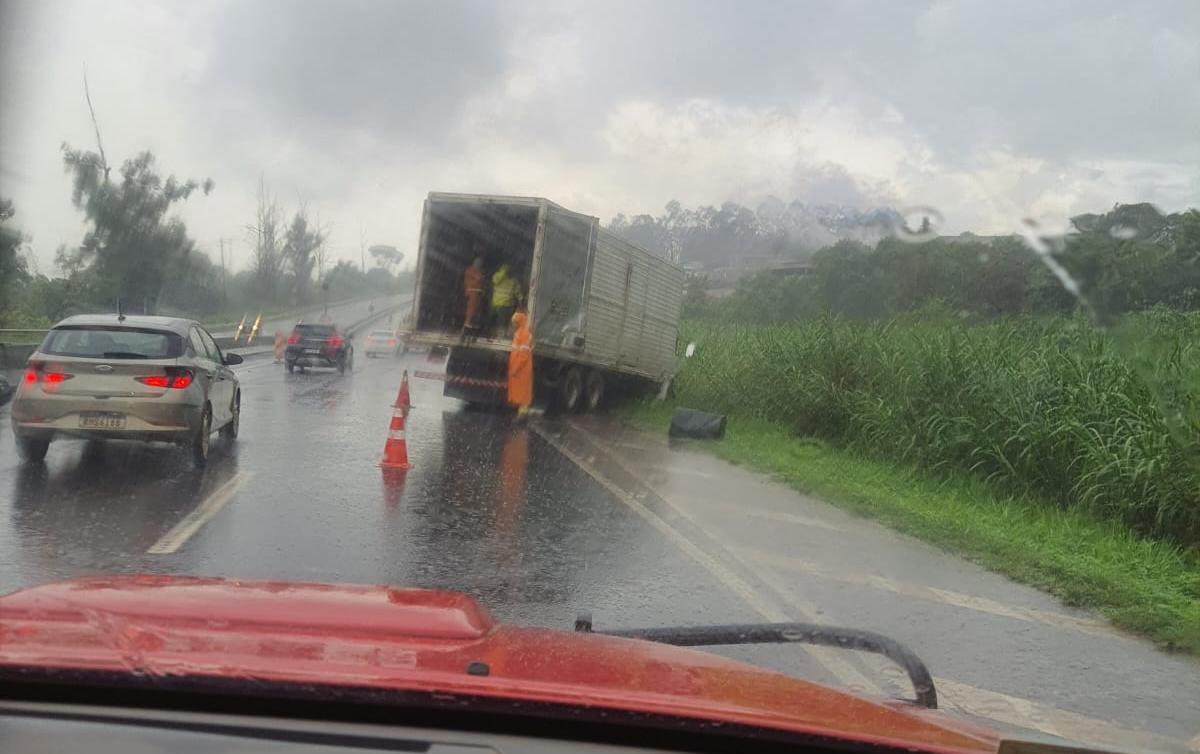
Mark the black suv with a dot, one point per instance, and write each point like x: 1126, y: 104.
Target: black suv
x: 318, y: 346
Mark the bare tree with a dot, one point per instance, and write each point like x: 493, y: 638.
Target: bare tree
x: 320, y: 253
x: 96, y: 125
x: 266, y: 240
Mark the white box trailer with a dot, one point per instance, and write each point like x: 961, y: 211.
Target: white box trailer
x: 604, y: 312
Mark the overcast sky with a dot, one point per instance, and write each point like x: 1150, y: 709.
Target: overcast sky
x: 990, y: 111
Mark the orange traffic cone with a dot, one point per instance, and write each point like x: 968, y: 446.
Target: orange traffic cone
x: 402, y: 401
x: 395, y: 450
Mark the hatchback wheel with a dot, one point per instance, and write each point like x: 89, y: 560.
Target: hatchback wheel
x: 33, y: 449
x: 230, y: 430
x: 200, y: 441
x: 291, y: 366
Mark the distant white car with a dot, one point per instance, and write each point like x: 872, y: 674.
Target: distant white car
x: 382, y: 343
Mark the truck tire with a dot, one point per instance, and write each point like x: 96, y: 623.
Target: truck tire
x: 570, y: 390
x: 593, y: 390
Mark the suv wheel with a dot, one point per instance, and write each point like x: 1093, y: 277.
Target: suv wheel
x: 33, y: 449
x: 200, y: 441
x: 291, y: 366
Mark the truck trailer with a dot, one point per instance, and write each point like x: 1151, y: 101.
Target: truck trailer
x: 604, y: 312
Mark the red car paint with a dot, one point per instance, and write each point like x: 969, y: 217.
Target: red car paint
x: 419, y: 640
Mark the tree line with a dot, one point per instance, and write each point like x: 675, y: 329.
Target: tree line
x: 137, y: 251
x: 1131, y: 258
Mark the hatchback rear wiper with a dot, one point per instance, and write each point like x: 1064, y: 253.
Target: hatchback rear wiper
x: 786, y: 633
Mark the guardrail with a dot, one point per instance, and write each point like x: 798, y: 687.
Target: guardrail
x: 14, y: 355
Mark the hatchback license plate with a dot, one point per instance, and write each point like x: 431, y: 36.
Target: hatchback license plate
x: 101, y: 420
x: 313, y: 351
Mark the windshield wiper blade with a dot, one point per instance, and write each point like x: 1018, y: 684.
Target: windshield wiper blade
x: 124, y: 355
x: 786, y: 633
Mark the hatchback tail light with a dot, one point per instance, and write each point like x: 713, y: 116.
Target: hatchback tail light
x: 334, y: 341
x: 37, y: 373
x: 293, y: 339
x: 175, y: 377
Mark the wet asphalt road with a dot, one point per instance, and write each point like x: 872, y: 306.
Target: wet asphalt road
x: 489, y: 509
x: 538, y: 526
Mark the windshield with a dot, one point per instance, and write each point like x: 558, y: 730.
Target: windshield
x: 880, y: 316
x: 112, y: 343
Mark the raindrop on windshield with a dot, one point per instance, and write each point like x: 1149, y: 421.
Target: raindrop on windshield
x: 919, y: 224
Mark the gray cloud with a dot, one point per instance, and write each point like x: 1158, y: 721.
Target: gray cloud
x: 360, y: 107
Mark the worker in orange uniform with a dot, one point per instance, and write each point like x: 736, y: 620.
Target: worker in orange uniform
x: 520, y: 365
x: 473, y: 290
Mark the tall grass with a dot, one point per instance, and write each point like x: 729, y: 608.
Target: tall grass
x: 1104, y: 422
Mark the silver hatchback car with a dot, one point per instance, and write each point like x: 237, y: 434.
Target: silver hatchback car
x: 113, y: 377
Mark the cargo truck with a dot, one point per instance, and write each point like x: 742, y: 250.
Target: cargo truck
x: 604, y: 312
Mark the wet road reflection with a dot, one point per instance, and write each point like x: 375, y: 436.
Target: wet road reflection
x: 96, y: 508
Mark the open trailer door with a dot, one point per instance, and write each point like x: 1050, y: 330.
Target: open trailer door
x: 558, y: 303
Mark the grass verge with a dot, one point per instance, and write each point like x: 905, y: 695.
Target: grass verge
x: 1146, y: 587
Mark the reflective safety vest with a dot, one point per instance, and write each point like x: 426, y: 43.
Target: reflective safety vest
x: 506, y: 291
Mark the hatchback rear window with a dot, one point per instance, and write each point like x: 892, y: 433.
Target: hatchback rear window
x: 104, y: 342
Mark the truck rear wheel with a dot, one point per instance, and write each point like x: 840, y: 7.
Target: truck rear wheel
x: 593, y: 390
x: 570, y: 391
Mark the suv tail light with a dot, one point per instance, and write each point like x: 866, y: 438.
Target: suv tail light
x: 293, y: 339
x: 175, y: 377
x: 334, y: 341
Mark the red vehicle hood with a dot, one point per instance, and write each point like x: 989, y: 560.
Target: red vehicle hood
x: 424, y: 641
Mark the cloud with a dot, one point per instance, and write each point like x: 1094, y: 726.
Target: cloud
x: 989, y: 111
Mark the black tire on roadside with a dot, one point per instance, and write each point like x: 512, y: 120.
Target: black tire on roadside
x: 32, y: 449
x: 593, y: 390
x: 230, y: 431
x: 200, y: 443
x: 570, y: 390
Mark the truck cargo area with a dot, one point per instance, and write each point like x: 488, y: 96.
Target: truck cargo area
x: 604, y: 313
x: 456, y: 233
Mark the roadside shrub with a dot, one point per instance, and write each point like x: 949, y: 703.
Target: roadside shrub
x: 1107, y: 422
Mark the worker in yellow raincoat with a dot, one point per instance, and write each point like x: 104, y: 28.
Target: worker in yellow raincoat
x: 506, y: 297
x: 520, y: 365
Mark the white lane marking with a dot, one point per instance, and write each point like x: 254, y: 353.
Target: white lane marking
x: 934, y: 594
x: 200, y: 515
x: 832, y: 660
x: 983, y: 703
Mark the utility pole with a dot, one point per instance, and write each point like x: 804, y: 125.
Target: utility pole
x: 224, y: 278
